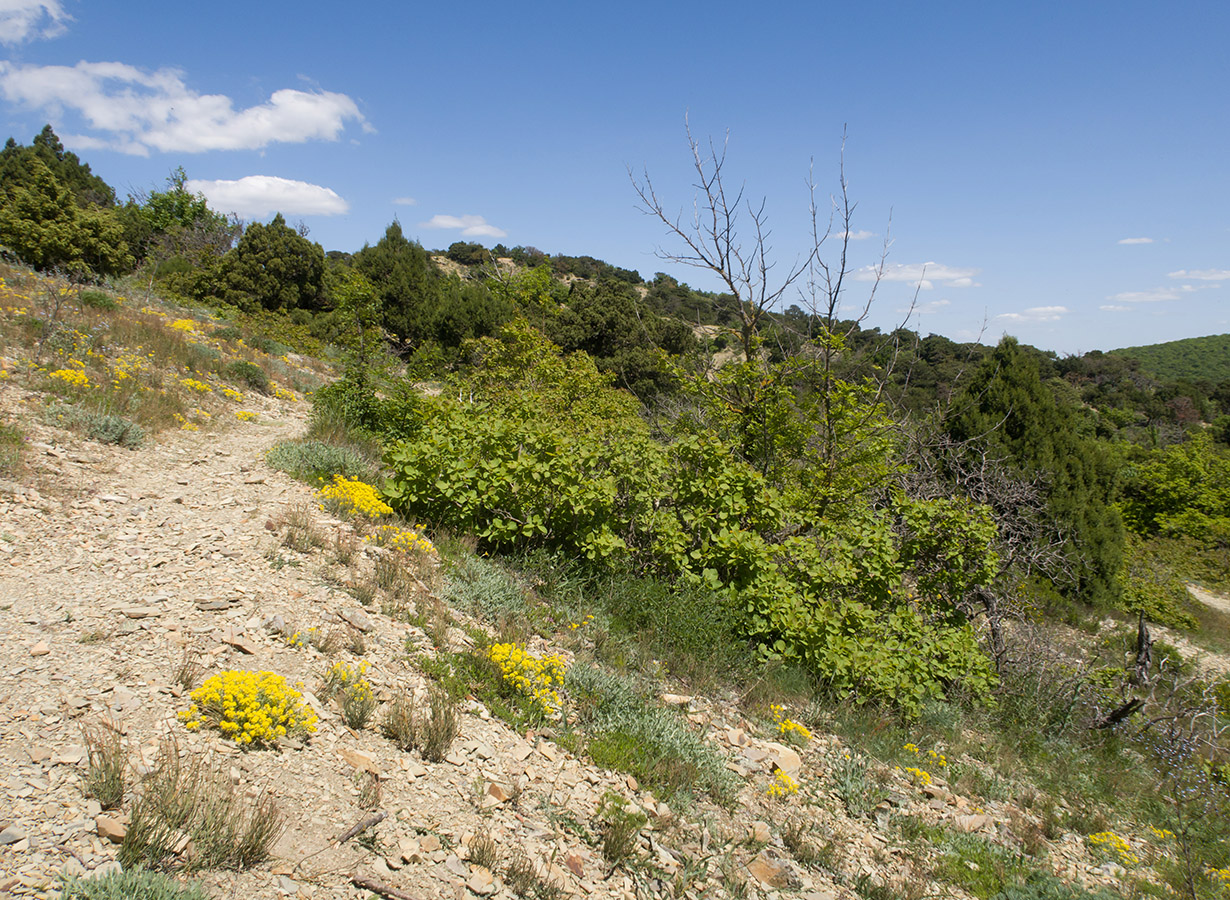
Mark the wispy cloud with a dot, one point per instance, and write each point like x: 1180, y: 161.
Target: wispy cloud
x: 921, y: 275
x: 1160, y: 294
x: 27, y: 20
x: 1140, y: 240
x: 1036, y: 314
x: 135, y: 111
x: 860, y: 235
x: 1202, y: 274
x: 405, y: 201
x: 471, y: 226
x: 1112, y: 308
x: 926, y: 309
x: 257, y: 196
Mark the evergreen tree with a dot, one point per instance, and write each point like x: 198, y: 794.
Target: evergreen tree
x: 406, y: 282
x: 274, y: 267
x: 42, y: 224
x: 1011, y: 415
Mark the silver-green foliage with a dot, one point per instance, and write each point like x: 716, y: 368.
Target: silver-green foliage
x: 609, y: 704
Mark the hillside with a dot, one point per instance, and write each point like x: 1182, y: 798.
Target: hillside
x: 135, y: 573
x: 1196, y: 359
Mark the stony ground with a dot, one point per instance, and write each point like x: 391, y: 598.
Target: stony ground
x: 115, y: 564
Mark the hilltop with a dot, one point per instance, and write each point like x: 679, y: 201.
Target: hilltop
x: 1195, y: 359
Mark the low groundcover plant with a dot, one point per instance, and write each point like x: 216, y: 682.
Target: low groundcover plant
x: 252, y: 708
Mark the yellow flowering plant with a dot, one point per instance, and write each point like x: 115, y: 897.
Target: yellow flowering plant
x: 71, y: 377
x: 253, y: 709
x: 783, y: 786
x: 789, y: 730
x: 539, y: 679
x: 405, y: 540
x: 1112, y: 845
x: 354, y: 498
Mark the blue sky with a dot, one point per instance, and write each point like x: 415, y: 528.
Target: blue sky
x: 1057, y: 171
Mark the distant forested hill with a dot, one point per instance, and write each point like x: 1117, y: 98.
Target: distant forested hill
x: 1203, y: 358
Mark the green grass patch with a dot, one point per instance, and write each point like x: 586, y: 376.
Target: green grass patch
x: 11, y: 443
x: 630, y: 733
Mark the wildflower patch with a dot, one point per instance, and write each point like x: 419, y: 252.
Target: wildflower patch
x: 251, y: 708
x: 539, y: 679
x: 355, y: 498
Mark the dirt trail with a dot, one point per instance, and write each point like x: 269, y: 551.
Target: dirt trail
x: 1208, y: 598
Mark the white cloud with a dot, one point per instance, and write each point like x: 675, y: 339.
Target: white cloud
x: 24, y: 20
x: 855, y: 235
x: 1136, y: 241
x: 1158, y: 295
x: 257, y: 196
x: 926, y: 309
x: 1113, y: 308
x: 922, y: 275
x: 471, y: 226
x: 1202, y: 274
x: 405, y: 201
x: 138, y: 111
x: 1037, y: 314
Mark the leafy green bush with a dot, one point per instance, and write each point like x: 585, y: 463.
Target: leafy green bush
x: 135, y: 884
x: 314, y: 461
x: 98, y: 300
x: 250, y: 374
x: 227, y: 333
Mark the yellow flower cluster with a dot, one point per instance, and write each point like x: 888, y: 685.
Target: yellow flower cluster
x: 186, y: 325
x: 1113, y: 844
x: 355, y: 498
x: 1221, y: 876
x: 407, y: 541
x: 184, y: 424
x: 245, y: 415
x: 932, y: 756
x: 788, y: 728
x: 285, y: 394
x: 575, y: 625
x: 921, y: 777
x: 1161, y: 834
x: 71, y: 377
x: 232, y: 394
x: 342, y: 676
x: 193, y: 385
x: 783, y: 786
x: 538, y: 679
x: 251, y: 708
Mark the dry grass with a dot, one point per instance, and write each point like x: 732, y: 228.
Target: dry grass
x: 182, y: 804
x: 438, y: 731
x: 400, y: 724
x: 484, y: 851
x: 301, y: 533
x: 107, y: 766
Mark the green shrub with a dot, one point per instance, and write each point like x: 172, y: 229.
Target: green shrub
x: 101, y: 427
x: 98, y: 300
x: 1041, y: 886
x: 314, y: 461
x: 977, y: 865
x: 249, y: 374
x: 135, y: 884
x: 227, y: 333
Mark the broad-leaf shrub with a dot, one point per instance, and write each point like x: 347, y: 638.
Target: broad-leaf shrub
x: 870, y: 603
